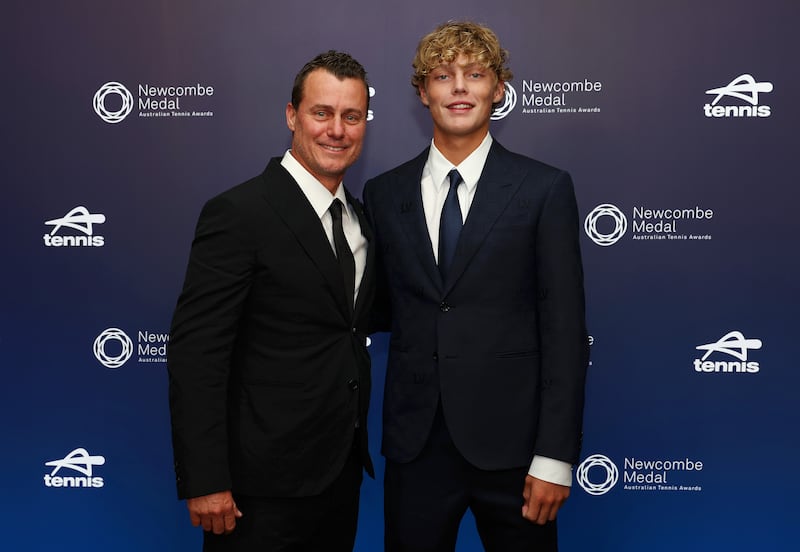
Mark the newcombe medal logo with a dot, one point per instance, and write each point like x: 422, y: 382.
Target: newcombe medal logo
x: 604, y: 474
x: 113, y: 101
x: 120, y: 95
x: 605, y: 212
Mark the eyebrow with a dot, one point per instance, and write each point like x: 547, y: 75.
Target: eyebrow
x: 345, y: 111
x: 466, y: 66
x: 331, y: 108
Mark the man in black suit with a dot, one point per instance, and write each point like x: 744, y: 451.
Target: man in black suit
x: 479, y: 248
x: 269, y: 375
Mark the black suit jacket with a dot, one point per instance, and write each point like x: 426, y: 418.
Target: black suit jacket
x: 503, y: 341
x: 268, y: 368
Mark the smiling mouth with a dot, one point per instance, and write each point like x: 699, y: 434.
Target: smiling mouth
x: 334, y: 149
x: 460, y: 106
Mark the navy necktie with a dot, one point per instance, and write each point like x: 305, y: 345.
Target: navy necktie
x: 449, y: 225
x: 347, y: 263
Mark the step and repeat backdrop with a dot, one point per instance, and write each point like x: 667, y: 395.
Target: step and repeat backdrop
x: 677, y: 120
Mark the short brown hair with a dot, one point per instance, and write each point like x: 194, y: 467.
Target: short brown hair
x: 453, y: 38
x: 339, y: 64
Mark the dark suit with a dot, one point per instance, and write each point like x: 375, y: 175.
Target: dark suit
x: 501, y: 346
x: 268, y: 367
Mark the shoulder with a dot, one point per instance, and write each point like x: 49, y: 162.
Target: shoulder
x: 409, y: 169
x: 249, y: 195
x: 246, y: 191
x: 499, y: 154
x: 244, y: 202
x: 530, y: 173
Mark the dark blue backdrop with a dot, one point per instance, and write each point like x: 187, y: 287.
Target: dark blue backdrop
x: 615, y: 92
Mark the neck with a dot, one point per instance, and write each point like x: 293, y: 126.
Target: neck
x: 330, y: 185
x: 457, y: 148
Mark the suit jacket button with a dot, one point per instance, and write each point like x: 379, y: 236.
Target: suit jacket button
x: 353, y: 384
x: 435, y: 356
x: 444, y: 307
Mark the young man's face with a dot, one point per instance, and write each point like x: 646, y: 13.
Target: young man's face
x: 460, y: 97
x: 328, y: 125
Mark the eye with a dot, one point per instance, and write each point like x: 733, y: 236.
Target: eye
x: 353, y: 118
x: 321, y: 114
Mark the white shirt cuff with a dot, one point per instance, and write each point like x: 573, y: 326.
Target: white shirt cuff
x: 551, y: 470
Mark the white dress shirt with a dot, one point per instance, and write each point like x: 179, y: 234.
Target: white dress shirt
x: 434, y: 187
x: 320, y: 199
x: 435, y: 184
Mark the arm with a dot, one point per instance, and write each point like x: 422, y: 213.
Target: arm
x: 565, y: 350
x: 202, y: 337
x: 562, y: 325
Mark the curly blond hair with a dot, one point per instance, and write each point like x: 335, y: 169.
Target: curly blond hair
x: 451, y: 39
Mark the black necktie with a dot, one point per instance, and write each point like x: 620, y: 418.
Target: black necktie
x: 449, y: 225
x: 347, y: 263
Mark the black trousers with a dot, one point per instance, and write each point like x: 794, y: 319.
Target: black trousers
x: 426, y: 499
x: 326, y: 522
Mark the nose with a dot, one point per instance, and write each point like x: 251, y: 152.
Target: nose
x: 459, y: 84
x: 336, y: 127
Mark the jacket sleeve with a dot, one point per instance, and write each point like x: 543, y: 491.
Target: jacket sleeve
x: 562, y: 323
x: 202, y: 337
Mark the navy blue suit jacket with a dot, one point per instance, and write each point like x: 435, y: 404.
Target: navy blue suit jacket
x: 503, y: 340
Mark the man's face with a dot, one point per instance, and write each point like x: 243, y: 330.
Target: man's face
x: 460, y: 97
x: 328, y: 125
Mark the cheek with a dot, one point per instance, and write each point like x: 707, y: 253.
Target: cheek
x: 357, y: 135
x: 311, y: 130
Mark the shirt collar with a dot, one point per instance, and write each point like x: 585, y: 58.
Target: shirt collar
x: 318, y: 195
x: 470, y: 168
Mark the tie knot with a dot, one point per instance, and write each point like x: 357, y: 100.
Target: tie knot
x: 455, y: 178
x: 336, y: 209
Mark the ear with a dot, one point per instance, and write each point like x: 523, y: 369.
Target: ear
x: 499, y: 91
x: 423, y: 95
x: 291, y: 115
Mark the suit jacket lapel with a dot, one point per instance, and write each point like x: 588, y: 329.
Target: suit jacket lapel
x: 369, y: 272
x: 499, y: 181
x: 407, y: 196
x: 289, y: 203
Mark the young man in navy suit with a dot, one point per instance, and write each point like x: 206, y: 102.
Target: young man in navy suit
x: 479, y: 257
x: 269, y: 375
